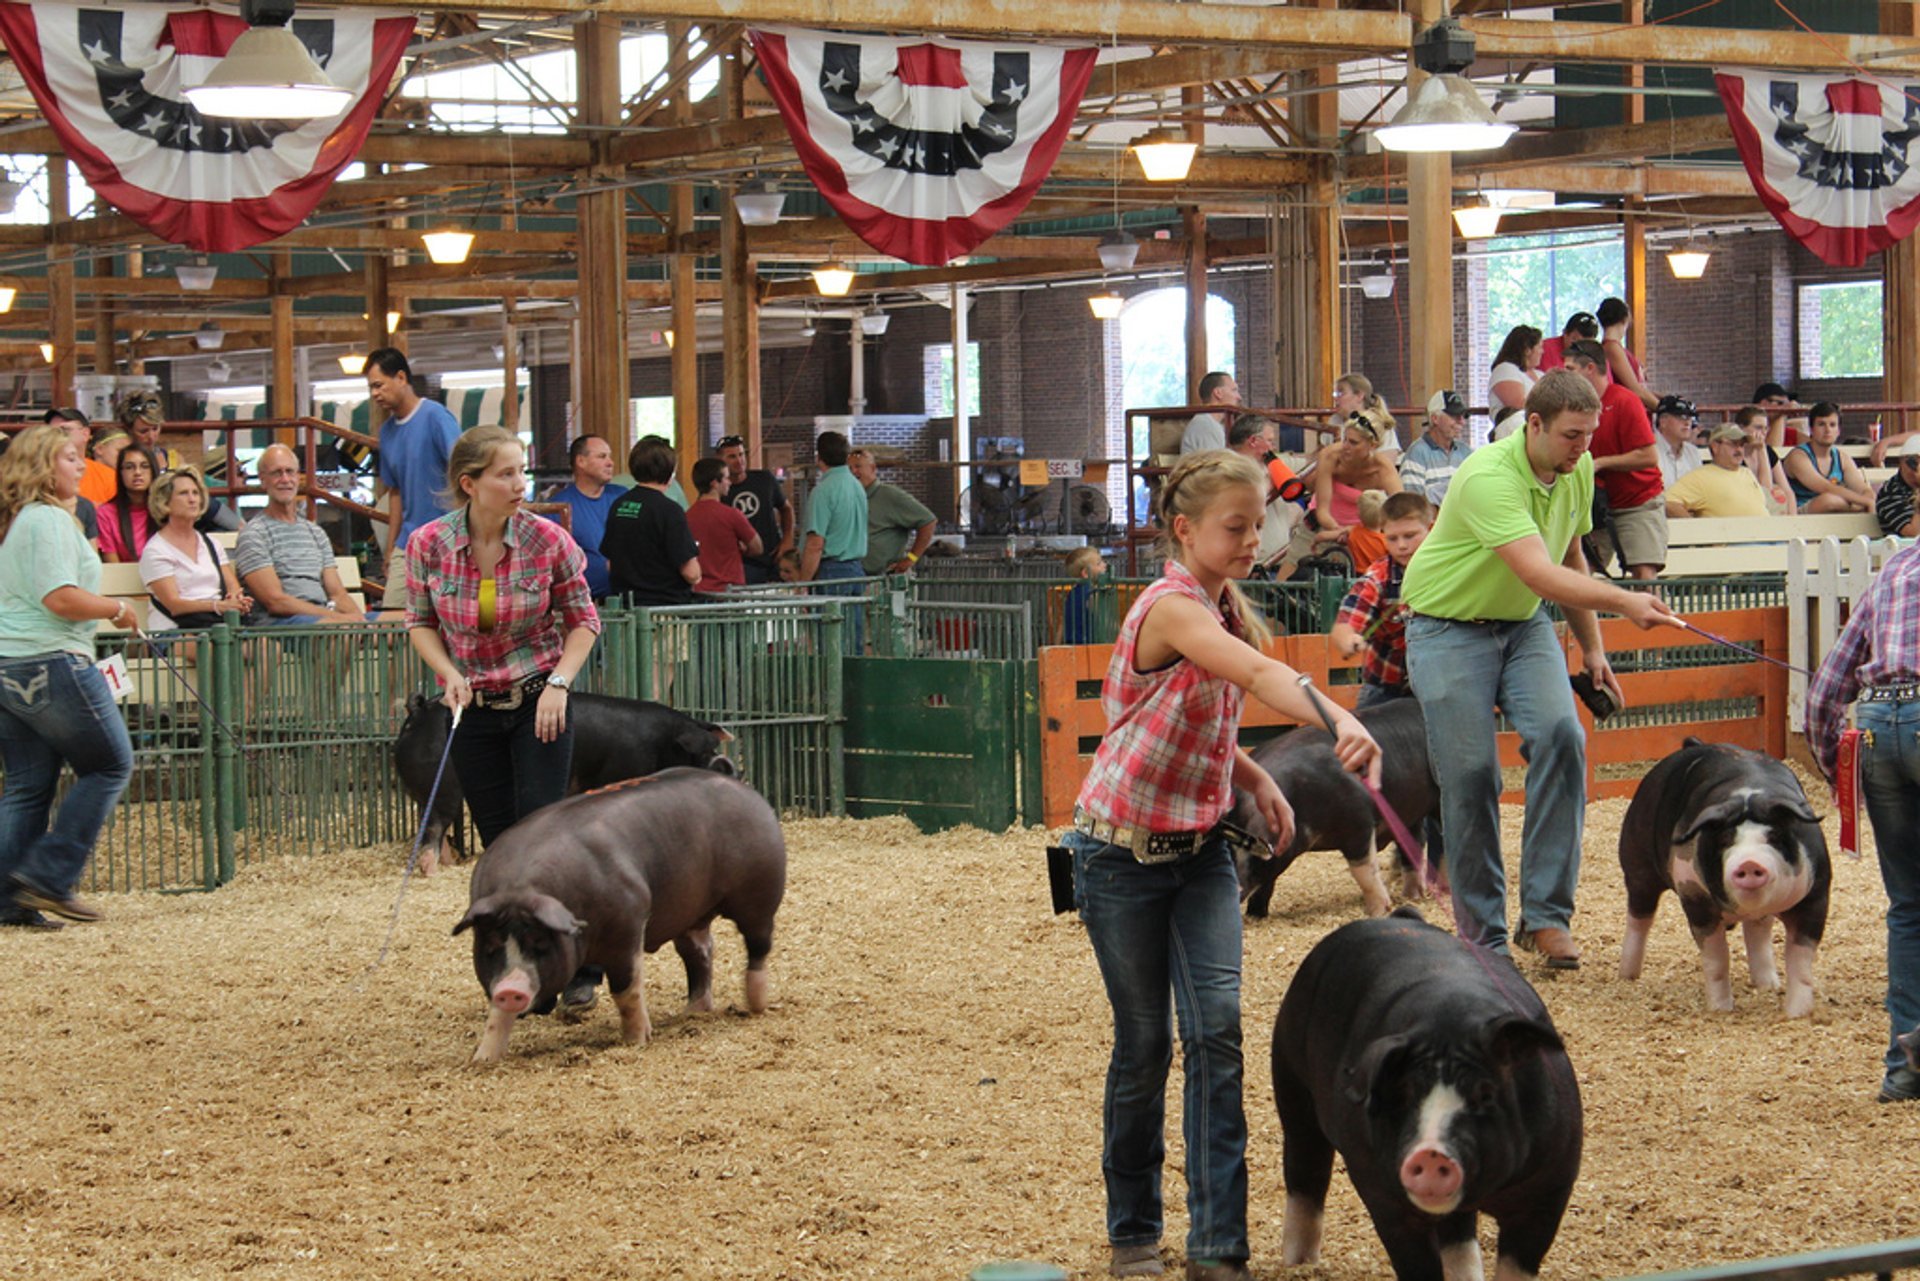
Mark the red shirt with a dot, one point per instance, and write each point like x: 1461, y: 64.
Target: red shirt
x: 1624, y: 427
x: 1372, y: 608
x: 719, y: 531
x: 1166, y: 762
x: 1550, y: 357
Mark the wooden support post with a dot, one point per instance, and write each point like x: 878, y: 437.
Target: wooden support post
x: 1633, y: 226
x: 689, y: 439
x: 286, y: 386
x: 60, y: 295
x: 739, y: 296
x: 103, y: 320
x: 601, y: 358
x: 1193, y: 225
x: 510, y: 375
x: 378, y: 300
x: 1430, y: 253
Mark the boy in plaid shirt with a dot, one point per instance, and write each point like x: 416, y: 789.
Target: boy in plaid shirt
x: 1372, y: 622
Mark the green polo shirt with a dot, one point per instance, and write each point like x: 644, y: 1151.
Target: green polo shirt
x: 1495, y: 499
x: 893, y: 518
x: 837, y: 511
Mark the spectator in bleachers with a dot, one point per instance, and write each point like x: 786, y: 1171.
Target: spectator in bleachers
x: 1515, y: 368
x: 1354, y: 392
x: 1889, y: 447
x: 1430, y: 461
x: 416, y: 439
x: 1209, y: 430
x: 1626, y: 468
x: 1724, y: 487
x: 1823, y: 479
x: 74, y: 424
x: 104, y: 444
x: 1785, y: 425
x: 188, y: 578
x: 1895, y: 505
x: 589, y: 496
x: 722, y: 535
x: 1622, y: 365
x: 125, y: 523
x: 1580, y: 325
x: 1506, y: 422
x: 285, y: 561
x: 1252, y: 435
x: 97, y: 485
x: 651, y: 556
x: 1673, y: 420
x: 899, y: 526
x: 1762, y: 461
x: 1342, y: 473
x: 55, y: 708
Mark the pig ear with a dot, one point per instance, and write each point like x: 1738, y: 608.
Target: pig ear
x: 1723, y: 812
x: 553, y: 914
x: 1378, y: 1064
x: 1792, y: 806
x: 479, y: 910
x: 695, y: 740
x: 718, y: 731
x: 1512, y: 1037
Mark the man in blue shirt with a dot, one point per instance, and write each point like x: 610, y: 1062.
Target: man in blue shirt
x: 836, y: 529
x: 591, y: 496
x: 1431, y: 460
x: 415, y: 442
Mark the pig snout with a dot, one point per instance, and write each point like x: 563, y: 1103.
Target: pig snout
x: 1750, y: 875
x: 513, y: 993
x: 1432, y: 1180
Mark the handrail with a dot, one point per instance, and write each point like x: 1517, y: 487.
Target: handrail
x: 1818, y: 1265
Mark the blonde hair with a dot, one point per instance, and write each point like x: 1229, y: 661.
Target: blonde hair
x: 1373, y: 509
x: 160, y: 493
x: 1193, y: 486
x: 1082, y: 559
x: 27, y: 471
x: 472, y: 454
x: 1373, y: 420
x: 1362, y: 386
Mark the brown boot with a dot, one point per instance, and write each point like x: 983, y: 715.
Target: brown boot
x: 1217, y: 1270
x: 1137, y: 1261
x: 1553, y: 943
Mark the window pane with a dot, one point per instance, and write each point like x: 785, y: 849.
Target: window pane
x: 1840, y: 330
x: 936, y: 372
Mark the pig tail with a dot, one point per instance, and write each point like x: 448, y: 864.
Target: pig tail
x: 1195, y: 483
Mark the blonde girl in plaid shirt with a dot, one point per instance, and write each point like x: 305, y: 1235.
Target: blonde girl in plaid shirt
x: 1166, y: 934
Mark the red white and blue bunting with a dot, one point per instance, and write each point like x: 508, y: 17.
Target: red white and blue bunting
x: 109, y: 81
x: 1834, y: 159
x: 925, y: 148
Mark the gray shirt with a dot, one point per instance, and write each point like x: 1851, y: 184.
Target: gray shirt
x: 297, y: 550
x: 1204, y: 431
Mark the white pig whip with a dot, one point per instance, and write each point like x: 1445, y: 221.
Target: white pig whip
x: 413, y: 859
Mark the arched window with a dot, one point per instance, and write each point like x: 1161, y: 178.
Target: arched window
x: 1153, y: 353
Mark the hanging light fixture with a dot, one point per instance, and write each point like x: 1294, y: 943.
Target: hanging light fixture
x: 8, y: 292
x: 759, y: 206
x: 218, y: 370
x: 1477, y: 222
x: 666, y: 336
x: 874, y: 322
x: 1164, y: 154
x: 268, y: 74
x: 1689, y: 263
x: 1446, y: 113
x: 46, y: 352
x: 354, y: 362
x: 1118, y: 251
x: 197, y: 272
x: 448, y: 245
x: 833, y: 279
x: 1106, y: 305
x: 209, y: 336
x: 1378, y: 282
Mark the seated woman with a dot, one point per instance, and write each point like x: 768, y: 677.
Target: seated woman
x: 1515, y: 369
x: 188, y: 579
x: 1346, y: 470
x: 125, y: 522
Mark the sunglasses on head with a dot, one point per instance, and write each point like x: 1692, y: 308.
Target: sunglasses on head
x: 728, y: 442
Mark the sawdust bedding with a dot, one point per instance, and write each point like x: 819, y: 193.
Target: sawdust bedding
x: 216, y: 1085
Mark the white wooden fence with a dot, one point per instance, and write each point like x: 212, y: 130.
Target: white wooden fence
x: 1824, y: 578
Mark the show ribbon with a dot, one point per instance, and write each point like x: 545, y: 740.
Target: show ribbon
x: 1846, y: 792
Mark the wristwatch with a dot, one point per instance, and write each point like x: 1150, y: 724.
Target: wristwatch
x: 558, y: 682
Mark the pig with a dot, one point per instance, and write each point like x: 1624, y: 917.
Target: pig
x: 1433, y: 1069
x: 613, y: 739
x: 1730, y: 832
x: 1331, y: 808
x: 606, y: 877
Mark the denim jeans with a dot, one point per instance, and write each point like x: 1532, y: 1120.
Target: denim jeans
x: 854, y: 611
x: 1890, y: 784
x: 1434, y: 834
x: 1169, y: 930
x: 1460, y: 671
x: 54, y: 709
x: 505, y: 770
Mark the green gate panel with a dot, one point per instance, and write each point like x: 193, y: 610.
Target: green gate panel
x: 933, y: 739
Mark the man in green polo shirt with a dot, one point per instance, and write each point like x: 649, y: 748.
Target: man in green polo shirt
x: 899, y: 526
x: 1508, y: 538
x: 836, y: 529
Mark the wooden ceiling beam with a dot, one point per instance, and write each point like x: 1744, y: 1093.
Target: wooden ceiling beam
x: 352, y: 284
x: 1668, y: 44
x: 1583, y: 146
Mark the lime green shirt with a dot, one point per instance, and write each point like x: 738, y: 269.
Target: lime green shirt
x: 1495, y: 499
x: 44, y: 550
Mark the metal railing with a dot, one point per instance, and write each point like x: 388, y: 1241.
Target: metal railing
x: 1879, y: 1260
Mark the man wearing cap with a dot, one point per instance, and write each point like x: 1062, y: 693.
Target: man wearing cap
x: 1209, y: 431
x: 1430, y: 461
x: 1673, y: 420
x: 1895, y: 506
x: 1581, y: 324
x: 1725, y: 486
x: 1626, y: 467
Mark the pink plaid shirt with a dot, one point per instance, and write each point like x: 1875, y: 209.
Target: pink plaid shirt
x: 542, y: 595
x: 1166, y: 762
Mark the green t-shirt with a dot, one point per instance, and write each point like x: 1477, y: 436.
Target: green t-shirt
x: 837, y: 511
x: 44, y: 550
x: 1495, y: 499
x: 893, y: 517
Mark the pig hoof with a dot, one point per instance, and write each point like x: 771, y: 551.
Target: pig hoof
x: 1799, y: 1005
x: 701, y: 1004
x: 637, y: 1035
x: 757, y: 984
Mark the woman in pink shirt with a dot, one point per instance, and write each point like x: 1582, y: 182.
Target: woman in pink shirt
x: 125, y: 522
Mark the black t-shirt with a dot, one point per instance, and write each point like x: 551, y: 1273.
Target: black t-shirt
x: 759, y: 498
x: 646, y: 543
x: 89, y: 518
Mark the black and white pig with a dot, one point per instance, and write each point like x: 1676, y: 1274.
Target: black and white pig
x: 613, y: 739
x: 1730, y: 832
x: 1331, y: 808
x: 1433, y: 1069
x: 608, y: 876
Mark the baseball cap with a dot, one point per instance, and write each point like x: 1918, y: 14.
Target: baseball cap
x: 1679, y: 406
x: 1912, y: 448
x: 1450, y: 403
x: 1728, y: 431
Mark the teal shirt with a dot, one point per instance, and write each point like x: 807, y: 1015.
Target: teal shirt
x: 44, y: 550
x: 837, y: 511
x: 1495, y: 499
x: 893, y: 518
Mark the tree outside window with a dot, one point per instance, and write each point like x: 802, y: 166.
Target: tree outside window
x: 1541, y: 280
x: 937, y: 375
x: 1840, y: 330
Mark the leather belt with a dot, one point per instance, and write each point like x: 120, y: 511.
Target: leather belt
x: 1145, y: 846
x: 506, y: 700
x: 1890, y: 693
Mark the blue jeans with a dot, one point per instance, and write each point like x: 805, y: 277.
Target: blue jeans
x: 1460, y: 671
x: 1172, y: 929
x: 1890, y: 784
x: 55, y: 709
x: 855, y: 611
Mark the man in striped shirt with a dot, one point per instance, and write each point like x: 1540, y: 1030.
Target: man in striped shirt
x: 1894, y: 506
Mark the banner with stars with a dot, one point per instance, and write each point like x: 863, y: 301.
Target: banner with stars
x: 110, y: 80
x: 925, y: 148
x: 1834, y: 159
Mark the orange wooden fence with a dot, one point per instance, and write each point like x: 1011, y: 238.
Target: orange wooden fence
x: 1071, y: 720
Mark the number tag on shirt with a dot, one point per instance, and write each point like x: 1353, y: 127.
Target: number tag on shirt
x: 119, y: 680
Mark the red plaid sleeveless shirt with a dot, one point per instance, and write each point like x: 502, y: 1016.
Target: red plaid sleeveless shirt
x: 1166, y: 763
